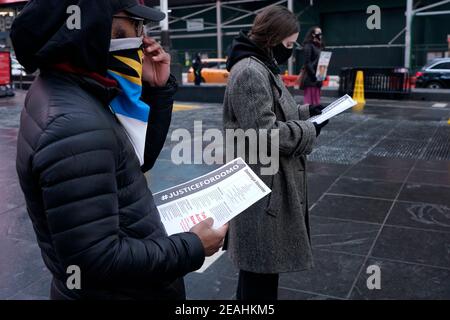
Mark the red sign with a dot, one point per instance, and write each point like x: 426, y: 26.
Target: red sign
x: 5, y: 68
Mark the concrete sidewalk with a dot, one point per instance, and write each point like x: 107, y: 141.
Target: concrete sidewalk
x: 379, y: 186
x: 214, y: 93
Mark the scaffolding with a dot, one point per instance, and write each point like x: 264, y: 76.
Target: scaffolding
x: 217, y: 29
x: 410, y: 14
x: 221, y: 28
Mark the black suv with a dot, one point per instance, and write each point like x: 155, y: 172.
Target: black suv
x: 435, y: 75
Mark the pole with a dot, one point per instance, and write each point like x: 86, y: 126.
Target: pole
x: 290, y: 4
x: 165, y: 36
x: 219, y: 28
x: 409, y: 16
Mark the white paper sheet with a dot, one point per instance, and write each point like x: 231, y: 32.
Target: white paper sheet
x: 221, y: 194
x: 335, y: 108
x: 322, y: 65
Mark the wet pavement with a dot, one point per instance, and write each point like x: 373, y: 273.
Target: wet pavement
x: 379, y: 190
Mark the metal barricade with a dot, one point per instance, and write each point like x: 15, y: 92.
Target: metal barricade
x: 391, y: 83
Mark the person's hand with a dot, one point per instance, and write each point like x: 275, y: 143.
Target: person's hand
x: 320, y: 126
x: 212, y: 239
x: 315, y: 110
x: 156, y: 68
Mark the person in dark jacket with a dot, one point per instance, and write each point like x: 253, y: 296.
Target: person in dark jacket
x: 197, y: 66
x: 81, y: 164
x: 312, y: 47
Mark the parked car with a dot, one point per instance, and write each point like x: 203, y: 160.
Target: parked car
x: 214, y: 71
x: 434, y: 75
x: 16, y: 68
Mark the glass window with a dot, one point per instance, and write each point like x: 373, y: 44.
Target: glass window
x: 442, y: 66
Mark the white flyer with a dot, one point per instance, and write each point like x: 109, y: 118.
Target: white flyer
x: 322, y: 65
x: 335, y: 108
x: 221, y: 194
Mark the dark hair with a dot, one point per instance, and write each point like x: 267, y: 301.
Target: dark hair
x: 272, y: 26
x: 309, y: 36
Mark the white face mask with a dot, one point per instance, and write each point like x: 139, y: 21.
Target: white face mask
x: 125, y: 44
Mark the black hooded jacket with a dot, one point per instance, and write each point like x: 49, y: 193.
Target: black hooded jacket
x: 85, y: 191
x: 312, y: 55
x: 242, y: 47
x: 41, y: 37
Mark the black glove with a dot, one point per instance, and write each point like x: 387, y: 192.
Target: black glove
x: 320, y: 126
x: 315, y: 109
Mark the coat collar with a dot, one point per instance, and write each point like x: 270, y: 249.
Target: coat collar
x: 287, y: 103
x: 103, y: 88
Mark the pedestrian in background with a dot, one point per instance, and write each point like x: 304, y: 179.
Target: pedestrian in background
x: 197, y: 66
x: 272, y: 236
x: 312, y: 46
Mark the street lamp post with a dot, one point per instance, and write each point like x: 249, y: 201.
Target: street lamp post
x: 409, y: 17
x: 176, y: 68
x: 165, y: 36
x: 219, y: 28
x: 290, y: 62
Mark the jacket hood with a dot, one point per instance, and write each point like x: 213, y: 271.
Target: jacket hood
x: 41, y: 37
x: 242, y: 47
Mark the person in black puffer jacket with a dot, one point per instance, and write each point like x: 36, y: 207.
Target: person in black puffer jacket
x: 83, y: 181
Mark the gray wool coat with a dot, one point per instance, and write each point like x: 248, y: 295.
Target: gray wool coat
x: 273, y: 235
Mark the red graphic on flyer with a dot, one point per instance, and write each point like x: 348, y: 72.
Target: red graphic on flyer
x: 190, y: 221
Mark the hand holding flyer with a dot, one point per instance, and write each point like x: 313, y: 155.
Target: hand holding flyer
x: 221, y: 194
x: 335, y: 108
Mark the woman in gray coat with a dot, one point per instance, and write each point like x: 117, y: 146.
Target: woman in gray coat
x: 272, y: 236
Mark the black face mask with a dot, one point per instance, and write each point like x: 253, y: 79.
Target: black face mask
x: 281, y: 53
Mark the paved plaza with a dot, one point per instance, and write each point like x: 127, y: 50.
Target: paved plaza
x: 379, y: 190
